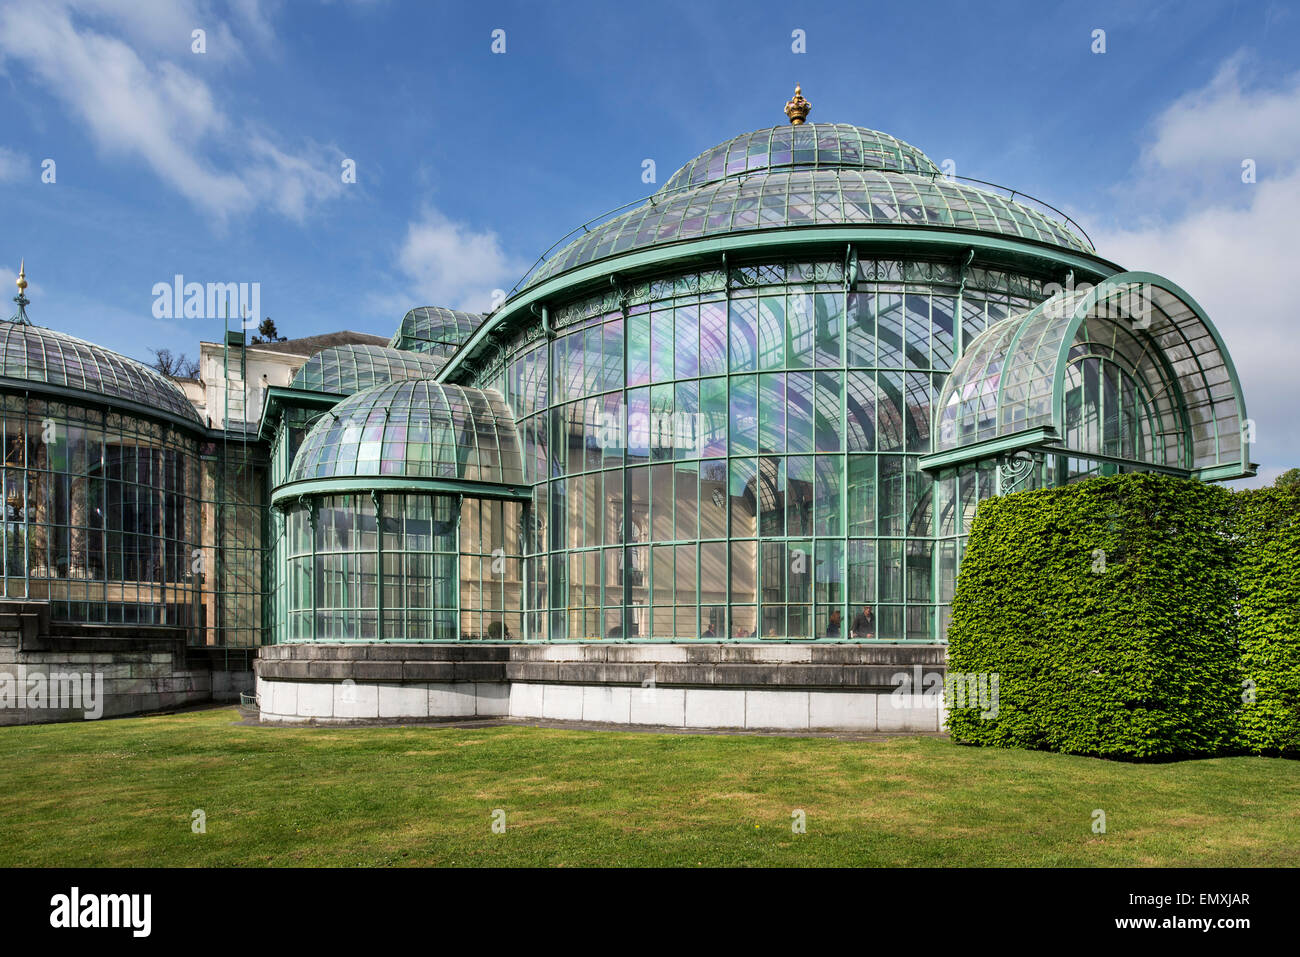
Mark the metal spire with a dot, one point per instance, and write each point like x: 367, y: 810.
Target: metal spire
x: 21, y: 298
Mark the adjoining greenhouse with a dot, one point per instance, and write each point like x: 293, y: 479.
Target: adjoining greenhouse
x: 403, y: 518
x: 101, y: 481
x: 132, y: 548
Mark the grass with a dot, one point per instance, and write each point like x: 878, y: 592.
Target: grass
x: 121, y: 793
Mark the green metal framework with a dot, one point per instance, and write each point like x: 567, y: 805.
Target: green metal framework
x: 101, y: 511
x: 434, y: 330
x: 1128, y: 376
x: 120, y: 507
x: 721, y: 403
x: 811, y: 145
x: 401, y: 567
x: 792, y: 501
x: 1131, y: 370
x: 100, y: 482
x: 779, y: 200
x: 881, y: 554
x: 524, y: 310
x: 343, y: 370
x: 397, y: 515
x: 32, y: 354
x: 237, y: 530
x: 400, y: 518
x: 416, y: 429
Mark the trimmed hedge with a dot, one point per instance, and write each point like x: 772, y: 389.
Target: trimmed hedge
x: 1268, y: 574
x: 1106, y: 608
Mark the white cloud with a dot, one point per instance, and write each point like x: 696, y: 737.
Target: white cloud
x: 13, y: 165
x: 1231, y: 245
x: 162, y: 27
x: 255, y: 17
x: 156, y: 110
x: 450, y: 264
x: 1225, y: 122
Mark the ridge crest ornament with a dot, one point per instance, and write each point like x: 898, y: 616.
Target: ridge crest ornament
x: 21, y: 298
x: 798, y: 108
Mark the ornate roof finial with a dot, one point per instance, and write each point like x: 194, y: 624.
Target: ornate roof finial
x: 21, y: 298
x: 798, y: 108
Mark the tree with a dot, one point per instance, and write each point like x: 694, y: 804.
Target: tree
x: 266, y: 332
x: 1287, y: 479
x: 175, y: 365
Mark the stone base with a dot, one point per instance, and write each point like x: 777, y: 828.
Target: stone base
x: 705, y: 686
x: 55, y: 672
x: 342, y: 702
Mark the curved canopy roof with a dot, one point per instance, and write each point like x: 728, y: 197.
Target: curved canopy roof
x: 36, y: 355
x: 416, y: 429
x: 343, y: 370
x: 1137, y: 347
x: 435, y: 330
x: 778, y: 199
x: 809, y: 145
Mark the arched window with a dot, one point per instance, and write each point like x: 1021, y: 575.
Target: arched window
x: 1108, y: 410
x: 1130, y: 372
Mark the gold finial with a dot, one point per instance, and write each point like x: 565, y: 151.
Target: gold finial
x: 21, y: 298
x: 798, y: 108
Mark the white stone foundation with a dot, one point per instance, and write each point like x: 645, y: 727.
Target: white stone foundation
x: 328, y: 702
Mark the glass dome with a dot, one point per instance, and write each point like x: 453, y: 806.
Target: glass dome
x: 414, y: 429
x: 815, y: 145
x: 33, y: 354
x: 434, y: 329
x: 1131, y: 369
x: 343, y: 370
x: 783, y: 199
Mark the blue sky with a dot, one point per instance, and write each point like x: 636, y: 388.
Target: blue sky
x: 226, y: 165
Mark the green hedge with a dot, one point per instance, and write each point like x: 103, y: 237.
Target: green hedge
x: 1268, y: 575
x: 1134, y: 658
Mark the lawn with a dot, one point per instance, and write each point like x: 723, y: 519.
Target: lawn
x: 121, y: 793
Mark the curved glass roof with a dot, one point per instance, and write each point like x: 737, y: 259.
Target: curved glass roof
x: 33, y: 354
x: 1159, y: 347
x: 418, y: 429
x: 435, y: 330
x: 343, y: 370
x: 782, y: 199
x: 815, y: 145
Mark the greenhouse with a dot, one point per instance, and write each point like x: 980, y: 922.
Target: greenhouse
x: 760, y: 405
x: 343, y: 370
x: 723, y: 445
x: 434, y: 330
x: 101, y: 481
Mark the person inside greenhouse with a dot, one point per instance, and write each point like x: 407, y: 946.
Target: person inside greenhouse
x: 864, y: 625
x: 833, y: 626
